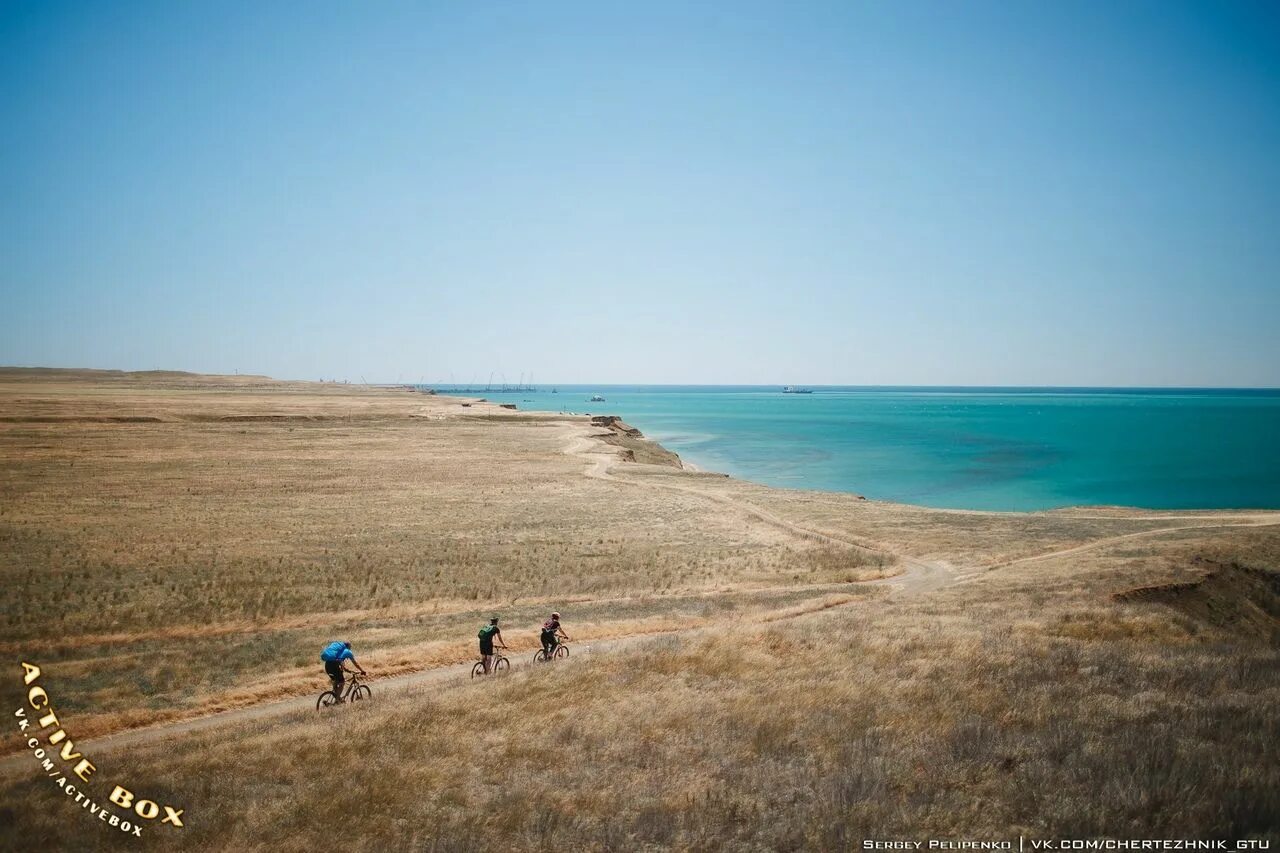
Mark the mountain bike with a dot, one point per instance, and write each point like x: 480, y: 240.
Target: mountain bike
x: 560, y: 651
x: 354, y: 691
x: 500, y: 665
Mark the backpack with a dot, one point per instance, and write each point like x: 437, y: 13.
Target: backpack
x: 487, y: 632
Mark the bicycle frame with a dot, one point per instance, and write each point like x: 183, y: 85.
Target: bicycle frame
x: 554, y: 653
x: 495, y: 657
x: 352, y: 682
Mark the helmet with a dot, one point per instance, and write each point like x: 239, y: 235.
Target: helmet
x: 555, y: 615
x: 493, y: 620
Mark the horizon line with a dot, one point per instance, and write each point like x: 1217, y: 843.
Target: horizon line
x: 543, y: 385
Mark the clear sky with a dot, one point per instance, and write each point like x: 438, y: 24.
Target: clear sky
x: 1067, y: 193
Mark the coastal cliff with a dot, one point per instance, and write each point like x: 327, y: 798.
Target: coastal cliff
x: 636, y: 448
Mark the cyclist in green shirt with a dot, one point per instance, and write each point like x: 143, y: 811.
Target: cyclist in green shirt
x: 488, y: 634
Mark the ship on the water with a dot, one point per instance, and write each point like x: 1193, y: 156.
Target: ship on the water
x: 791, y: 389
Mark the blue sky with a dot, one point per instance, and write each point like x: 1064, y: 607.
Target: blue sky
x: 790, y: 192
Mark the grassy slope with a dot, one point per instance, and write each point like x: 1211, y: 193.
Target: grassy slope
x: 1036, y: 712
x: 197, y: 558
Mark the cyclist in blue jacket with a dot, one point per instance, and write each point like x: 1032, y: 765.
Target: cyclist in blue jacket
x: 333, y: 656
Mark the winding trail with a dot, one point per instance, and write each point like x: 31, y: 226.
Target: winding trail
x: 919, y: 577
x: 1262, y: 520
x: 280, y: 710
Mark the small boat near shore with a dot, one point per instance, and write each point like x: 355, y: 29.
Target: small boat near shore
x: 791, y: 389
x: 596, y: 398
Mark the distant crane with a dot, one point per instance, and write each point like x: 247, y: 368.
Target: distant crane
x: 524, y: 384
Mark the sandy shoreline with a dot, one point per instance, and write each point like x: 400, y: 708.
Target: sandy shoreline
x: 796, y: 455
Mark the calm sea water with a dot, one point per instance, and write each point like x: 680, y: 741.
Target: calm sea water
x: 969, y: 448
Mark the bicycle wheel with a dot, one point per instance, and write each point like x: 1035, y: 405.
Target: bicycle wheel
x: 540, y: 656
x: 327, y: 700
x: 501, y: 665
x: 478, y: 669
x: 361, y: 692
x: 562, y: 651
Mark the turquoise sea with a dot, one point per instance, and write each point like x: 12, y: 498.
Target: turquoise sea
x: 966, y: 448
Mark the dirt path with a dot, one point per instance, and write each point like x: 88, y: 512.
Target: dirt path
x: 298, y: 708
x: 918, y: 577
x: 1263, y: 520
x: 299, y: 705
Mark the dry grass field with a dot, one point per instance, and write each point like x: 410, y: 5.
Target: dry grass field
x: 172, y: 545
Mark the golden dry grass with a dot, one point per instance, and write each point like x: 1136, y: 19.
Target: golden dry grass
x: 959, y: 715
x: 788, y: 710
x: 249, y: 522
